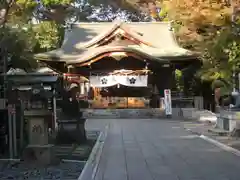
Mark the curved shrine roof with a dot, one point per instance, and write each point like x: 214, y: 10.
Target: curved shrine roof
x: 156, y: 41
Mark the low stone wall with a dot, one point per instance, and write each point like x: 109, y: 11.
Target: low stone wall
x: 122, y: 113
x: 189, y: 113
x: 176, y: 113
x: 185, y: 113
x: 228, y: 120
x: 194, y: 114
x: 181, y: 113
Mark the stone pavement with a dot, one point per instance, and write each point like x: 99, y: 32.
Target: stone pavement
x: 151, y: 149
x: 207, y: 130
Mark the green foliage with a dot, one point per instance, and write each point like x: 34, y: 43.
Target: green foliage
x: 221, y: 57
x: 26, y: 3
x: 48, y: 35
x: 56, y: 2
x: 20, y: 39
x: 33, y: 3
x: 233, y: 52
x: 163, y: 14
x: 179, y: 80
x: 18, y: 46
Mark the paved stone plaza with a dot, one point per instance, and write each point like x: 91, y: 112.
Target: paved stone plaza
x: 147, y: 149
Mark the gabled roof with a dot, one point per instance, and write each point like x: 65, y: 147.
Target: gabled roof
x: 157, y: 42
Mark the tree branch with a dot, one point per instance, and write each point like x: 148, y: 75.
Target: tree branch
x: 4, y: 9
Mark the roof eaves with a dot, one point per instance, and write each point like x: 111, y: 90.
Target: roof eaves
x: 116, y: 49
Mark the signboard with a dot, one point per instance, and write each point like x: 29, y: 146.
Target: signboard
x: 168, y: 101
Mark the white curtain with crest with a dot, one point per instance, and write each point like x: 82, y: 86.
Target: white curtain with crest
x: 111, y: 80
x: 102, y: 81
x: 133, y: 81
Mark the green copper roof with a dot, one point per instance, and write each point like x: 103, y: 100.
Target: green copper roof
x: 78, y: 45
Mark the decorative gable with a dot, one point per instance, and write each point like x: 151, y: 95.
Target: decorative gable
x: 118, y: 40
x: 120, y: 36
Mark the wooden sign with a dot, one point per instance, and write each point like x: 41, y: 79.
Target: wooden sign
x: 168, y: 101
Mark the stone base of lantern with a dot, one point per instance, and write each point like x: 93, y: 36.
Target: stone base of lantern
x: 41, y: 154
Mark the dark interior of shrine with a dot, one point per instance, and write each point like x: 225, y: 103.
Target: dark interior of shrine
x: 161, y: 73
x: 125, y: 91
x: 109, y: 64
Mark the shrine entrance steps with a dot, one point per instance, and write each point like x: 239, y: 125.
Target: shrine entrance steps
x: 123, y: 113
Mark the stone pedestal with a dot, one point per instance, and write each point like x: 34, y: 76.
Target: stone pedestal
x: 38, y: 148
x: 43, y: 154
x: 228, y: 120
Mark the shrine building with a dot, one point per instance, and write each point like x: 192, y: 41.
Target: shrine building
x: 126, y: 64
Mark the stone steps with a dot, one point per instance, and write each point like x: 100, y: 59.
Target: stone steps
x: 123, y: 113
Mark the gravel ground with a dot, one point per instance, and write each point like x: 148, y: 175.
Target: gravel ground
x: 20, y: 170
x: 23, y: 171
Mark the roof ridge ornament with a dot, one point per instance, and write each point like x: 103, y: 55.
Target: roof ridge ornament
x: 118, y: 22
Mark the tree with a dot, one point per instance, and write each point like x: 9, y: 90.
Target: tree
x: 19, y: 44
x: 179, y: 80
x: 52, y: 16
x: 19, y: 40
x: 48, y: 36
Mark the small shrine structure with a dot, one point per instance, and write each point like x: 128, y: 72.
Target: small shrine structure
x: 128, y: 64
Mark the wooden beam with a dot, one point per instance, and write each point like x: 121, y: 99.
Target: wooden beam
x: 107, y: 55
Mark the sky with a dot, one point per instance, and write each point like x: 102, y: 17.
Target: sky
x: 96, y: 13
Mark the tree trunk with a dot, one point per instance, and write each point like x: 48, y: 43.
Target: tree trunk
x: 4, y: 9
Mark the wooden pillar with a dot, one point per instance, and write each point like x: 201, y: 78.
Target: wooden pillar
x: 163, y: 79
